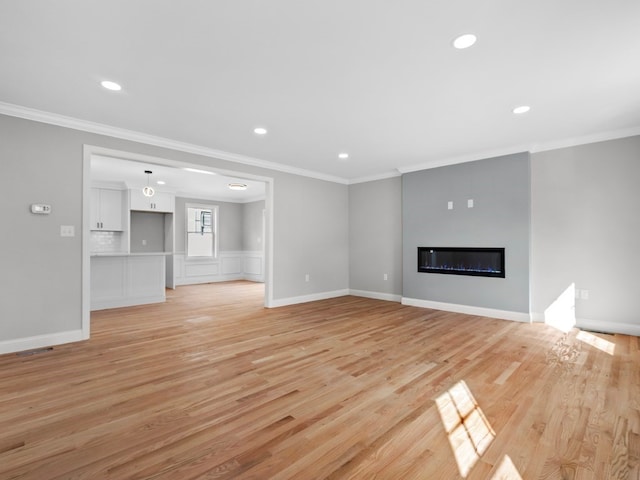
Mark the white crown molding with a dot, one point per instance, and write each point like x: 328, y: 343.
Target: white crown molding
x: 102, y: 129
x: 584, y: 140
x: 532, y: 148
x: 463, y: 159
x: 373, y: 178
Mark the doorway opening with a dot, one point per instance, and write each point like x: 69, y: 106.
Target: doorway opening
x: 238, y: 223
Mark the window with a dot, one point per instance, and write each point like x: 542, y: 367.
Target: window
x: 202, y: 227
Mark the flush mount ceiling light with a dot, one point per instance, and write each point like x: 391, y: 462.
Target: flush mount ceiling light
x: 109, y: 85
x: 464, y: 41
x: 237, y: 186
x: 260, y: 131
x: 148, y: 191
x: 521, y: 109
x: 343, y: 156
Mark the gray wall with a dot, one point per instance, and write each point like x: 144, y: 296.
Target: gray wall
x: 252, y: 226
x: 500, y: 218
x: 375, y: 236
x: 310, y: 226
x: 230, y: 224
x: 40, y: 283
x: 313, y: 230
x: 148, y: 226
x: 586, y: 229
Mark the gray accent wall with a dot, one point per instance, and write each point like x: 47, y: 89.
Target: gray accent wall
x: 375, y: 236
x: 500, y: 217
x: 586, y: 231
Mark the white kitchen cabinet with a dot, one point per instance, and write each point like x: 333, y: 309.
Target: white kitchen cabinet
x: 106, y: 209
x: 126, y: 280
x: 160, y: 202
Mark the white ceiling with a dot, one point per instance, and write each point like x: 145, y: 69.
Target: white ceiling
x: 189, y: 184
x: 378, y: 79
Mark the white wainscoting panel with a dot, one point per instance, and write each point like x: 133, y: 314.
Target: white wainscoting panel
x: 229, y: 265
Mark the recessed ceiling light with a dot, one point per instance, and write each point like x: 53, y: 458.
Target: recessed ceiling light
x: 343, y: 156
x: 237, y: 186
x: 111, y: 85
x: 464, y: 41
x: 521, y: 109
x: 260, y: 131
x: 161, y: 182
x: 197, y: 170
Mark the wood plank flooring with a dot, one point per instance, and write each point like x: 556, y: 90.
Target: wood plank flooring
x: 211, y: 385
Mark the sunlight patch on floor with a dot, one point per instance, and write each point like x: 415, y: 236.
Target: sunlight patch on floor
x: 506, y: 470
x: 469, y: 431
x: 600, y: 343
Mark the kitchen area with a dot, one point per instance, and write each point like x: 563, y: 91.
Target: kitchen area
x: 137, y: 249
x: 132, y: 239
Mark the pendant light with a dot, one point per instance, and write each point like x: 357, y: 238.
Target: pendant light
x: 148, y: 191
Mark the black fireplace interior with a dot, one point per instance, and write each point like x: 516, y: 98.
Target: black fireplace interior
x: 479, y: 262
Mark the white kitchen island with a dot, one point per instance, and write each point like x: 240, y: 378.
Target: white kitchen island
x: 126, y: 279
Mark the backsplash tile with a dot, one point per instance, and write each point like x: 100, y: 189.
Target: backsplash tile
x: 106, y: 242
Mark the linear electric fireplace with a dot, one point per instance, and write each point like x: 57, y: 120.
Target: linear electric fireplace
x: 479, y: 262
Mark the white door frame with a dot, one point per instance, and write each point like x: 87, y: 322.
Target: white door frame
x: 90, y: 150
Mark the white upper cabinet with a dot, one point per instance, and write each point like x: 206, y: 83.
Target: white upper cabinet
x: 160, y: 202
x: 106, y: 209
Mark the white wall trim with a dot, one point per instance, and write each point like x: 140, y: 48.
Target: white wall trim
x: 537, y: 317
x: 41, y: 341
x: 598, y: 325
x: 102, y: 129
x: 530, y: 147
x: 608, y: 327
x: 373, y: 178
x: 468, y: 309
x: 390, y: 297
x: 228, y: 266
x: 282, y: 302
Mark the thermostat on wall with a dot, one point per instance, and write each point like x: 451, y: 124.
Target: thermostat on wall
x: 40, y: 208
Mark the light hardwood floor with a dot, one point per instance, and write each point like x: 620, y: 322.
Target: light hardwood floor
x: 211, y: 385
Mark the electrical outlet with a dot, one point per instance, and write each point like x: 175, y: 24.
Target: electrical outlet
x: 306, y: 277
x: 450, y: 205
x: 67, y: 231
x: 386, y: 277
x: 144, y: 242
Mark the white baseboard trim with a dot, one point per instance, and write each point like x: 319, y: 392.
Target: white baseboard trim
x: 608, y: 327
x: 196, y: 280
x: 537, y: 317
x: 40, y: 341
x: 390, y: 297
x: 468, y: 309
x: 598, y: 325
x: 282, y: 302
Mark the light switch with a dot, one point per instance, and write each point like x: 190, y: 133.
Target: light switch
x: 470, y: 203
x: 67, y: 231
